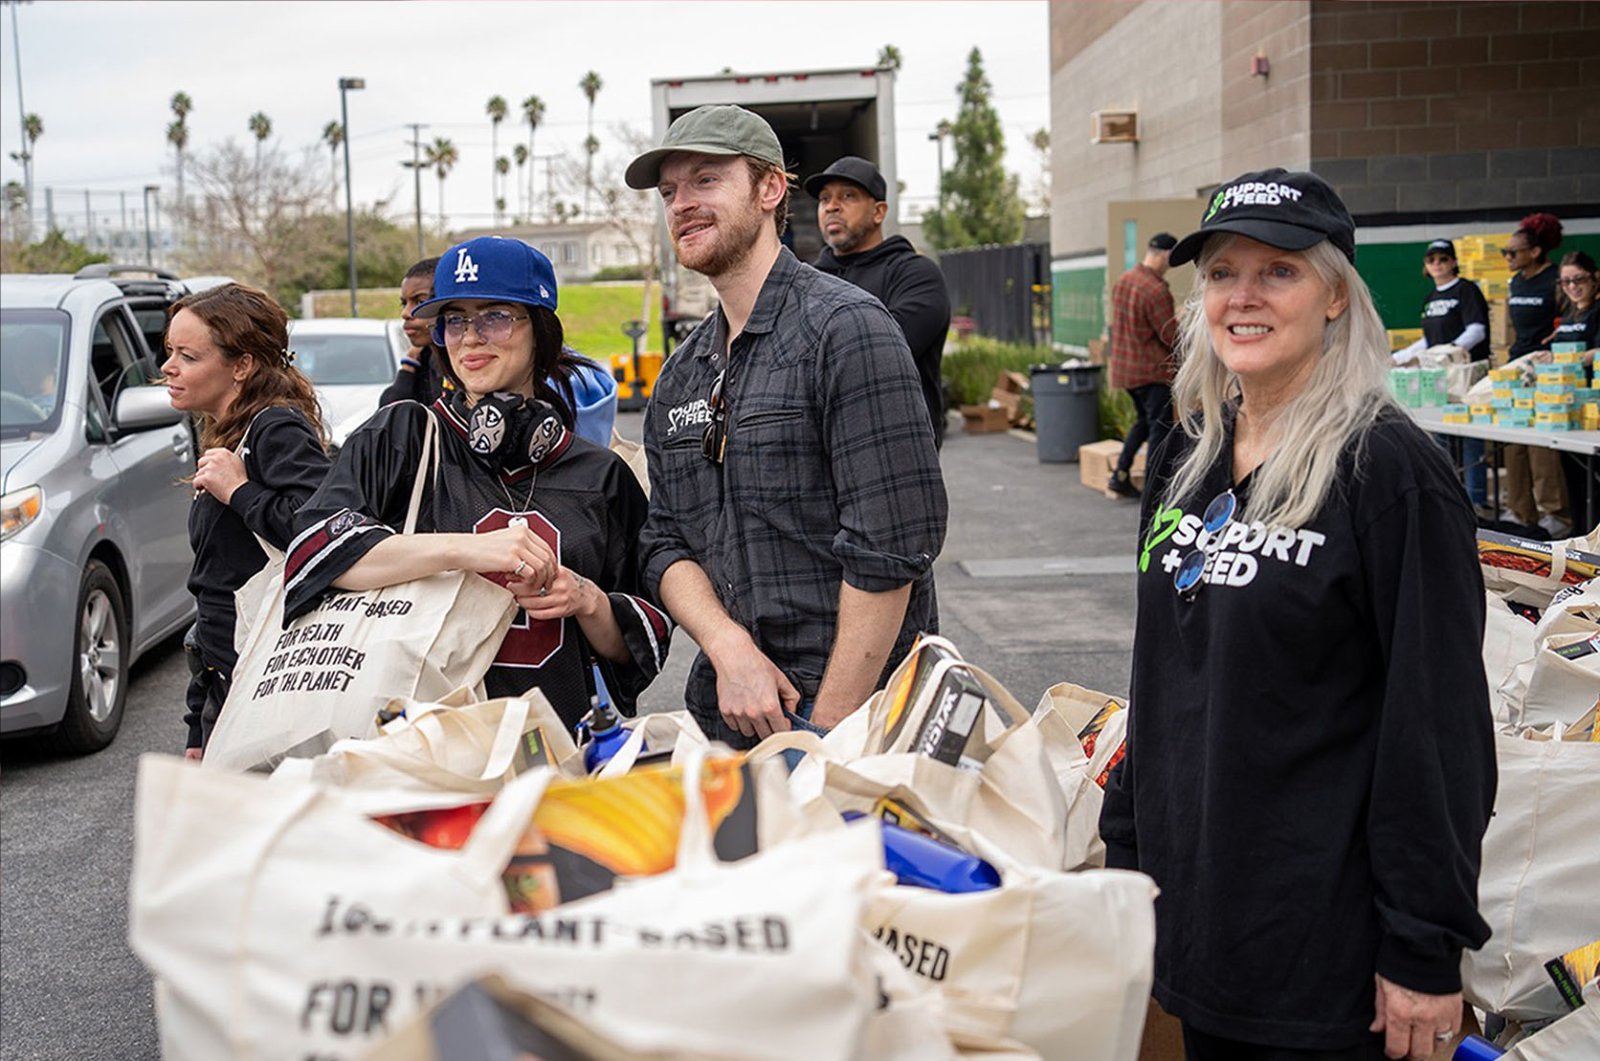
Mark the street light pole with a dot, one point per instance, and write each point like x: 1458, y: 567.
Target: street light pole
x: 938, y: 138
x: 348, y: 84
x: 23, y: 154
x: 149, y: 189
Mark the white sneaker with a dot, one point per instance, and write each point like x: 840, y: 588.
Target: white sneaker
x: 1555, y: 526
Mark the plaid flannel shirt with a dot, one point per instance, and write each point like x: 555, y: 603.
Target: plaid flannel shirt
x: 830, y: 473
x: 1144, y: 329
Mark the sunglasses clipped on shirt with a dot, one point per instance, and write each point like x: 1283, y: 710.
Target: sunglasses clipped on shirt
x: 1190, y: 574
x: 492, y: 325
x: 714, y: 443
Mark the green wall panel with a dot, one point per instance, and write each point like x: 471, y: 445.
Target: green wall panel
x: 1077, y: 303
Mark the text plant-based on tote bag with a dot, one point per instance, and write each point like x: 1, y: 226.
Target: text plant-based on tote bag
x: 280, y: 922
x: 328, y: 672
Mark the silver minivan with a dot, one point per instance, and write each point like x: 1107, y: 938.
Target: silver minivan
x: 94, y: 546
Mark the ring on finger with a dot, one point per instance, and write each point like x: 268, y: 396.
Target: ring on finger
x: 1443, y: 1037
x: 543, y: 590
x: 518, y: 570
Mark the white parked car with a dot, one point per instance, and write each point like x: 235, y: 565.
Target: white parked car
x: 350, y: 360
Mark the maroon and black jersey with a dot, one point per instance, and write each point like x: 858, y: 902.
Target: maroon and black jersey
x: 581, y: 499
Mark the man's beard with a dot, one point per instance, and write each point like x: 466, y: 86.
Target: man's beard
x: 846, y: 242
x: 735, y: 236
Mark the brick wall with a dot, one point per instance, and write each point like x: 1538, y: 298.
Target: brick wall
x: 1429, y: 109
x: 1266, y: 121
x: 1129, y: 61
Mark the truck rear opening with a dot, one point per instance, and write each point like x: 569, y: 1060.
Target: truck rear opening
x: 819, y: 116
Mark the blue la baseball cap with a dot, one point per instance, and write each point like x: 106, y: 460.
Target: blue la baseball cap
x: 495, y: 269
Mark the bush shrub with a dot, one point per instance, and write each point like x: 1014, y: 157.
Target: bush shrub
x: 971, y: 367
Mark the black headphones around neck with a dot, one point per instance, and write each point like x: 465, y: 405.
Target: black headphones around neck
x: 508, y: 430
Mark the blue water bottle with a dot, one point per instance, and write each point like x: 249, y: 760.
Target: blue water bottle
x: 923, y: 862
x: 1475, y: 1048
x: 603, y: 731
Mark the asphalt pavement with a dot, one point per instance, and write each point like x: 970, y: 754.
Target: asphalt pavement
x: 1035, y: 584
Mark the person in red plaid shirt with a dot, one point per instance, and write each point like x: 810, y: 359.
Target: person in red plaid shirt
x: 1144, y: 330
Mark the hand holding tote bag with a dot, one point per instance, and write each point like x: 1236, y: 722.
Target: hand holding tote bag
x: 332, y: 669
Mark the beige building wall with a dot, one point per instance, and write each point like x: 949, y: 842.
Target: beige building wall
x: 1266, y: 121
x: 1131, y: 64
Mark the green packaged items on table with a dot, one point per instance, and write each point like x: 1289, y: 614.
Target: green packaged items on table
x: 1406, y: 384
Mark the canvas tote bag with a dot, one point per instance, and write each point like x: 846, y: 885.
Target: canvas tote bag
x: 329, y: 672
x: 1537, y: 884
x: 283, y: 924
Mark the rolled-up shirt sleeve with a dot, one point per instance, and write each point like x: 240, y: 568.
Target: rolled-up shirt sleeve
x: 891, y: 496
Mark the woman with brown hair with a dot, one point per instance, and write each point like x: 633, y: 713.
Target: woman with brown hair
x: 228, y: 364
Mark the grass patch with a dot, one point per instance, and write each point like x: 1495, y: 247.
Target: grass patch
x: 591, y: 314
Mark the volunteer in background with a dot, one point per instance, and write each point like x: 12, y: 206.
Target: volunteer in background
x: 852, y: 202
x: 1580, y: 323
x: 228, y: 365
x: 519, y: 497
x: 1310, y: 763
x: 1535, y: 489
x: 592, y: 392
x: 1580, y: 313
x: 1144, y: 331
x: 1455, y: 314
x: 418, y: 379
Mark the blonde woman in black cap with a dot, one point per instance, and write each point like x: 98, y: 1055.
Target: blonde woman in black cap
x: 1310, y: 763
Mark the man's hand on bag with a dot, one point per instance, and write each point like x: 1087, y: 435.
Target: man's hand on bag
x: 1412, y: 1022
x: 752, y: 692
x: 219, y: 473
x: 192, y: 753
x: 568, y: 594
x: 517, y: 553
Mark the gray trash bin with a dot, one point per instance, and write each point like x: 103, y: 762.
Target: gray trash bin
x: 1066, y: 409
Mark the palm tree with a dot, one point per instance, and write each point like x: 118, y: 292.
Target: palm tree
x: 442, y: 156
x: 333, y: 136
x: 260, y: 127
x: 520, y: 153
x: 496, y: 110
x: 178, y: 134
x: 16, y: 197
x: 590, y: 85
x: 533, y: 114
x: 502, y: 166
x: 178, y: 137
x: 889, y: 58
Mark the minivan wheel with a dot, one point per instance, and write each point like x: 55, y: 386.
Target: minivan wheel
x: 99, y: 687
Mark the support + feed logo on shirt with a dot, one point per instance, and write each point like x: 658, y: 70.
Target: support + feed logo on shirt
x: 1236, y: 552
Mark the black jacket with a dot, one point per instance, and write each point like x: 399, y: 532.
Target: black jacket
x: 423, y: 384
x: 912, y: 289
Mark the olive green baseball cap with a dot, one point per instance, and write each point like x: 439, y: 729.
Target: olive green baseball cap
x: 715, y: 129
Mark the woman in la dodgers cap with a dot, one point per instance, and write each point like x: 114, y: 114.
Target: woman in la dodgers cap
x: 1310, y: 763
x: 518, y: 495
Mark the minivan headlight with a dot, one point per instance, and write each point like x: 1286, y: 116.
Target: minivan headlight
x: 18, y: 509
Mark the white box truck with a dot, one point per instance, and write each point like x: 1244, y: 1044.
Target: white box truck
x: 819, y: 116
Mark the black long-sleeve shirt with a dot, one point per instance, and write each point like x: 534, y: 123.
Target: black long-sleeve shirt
x: 912, y: 289
x: 1310, y: 762
x: 285, y: 463
x: 424, y: 384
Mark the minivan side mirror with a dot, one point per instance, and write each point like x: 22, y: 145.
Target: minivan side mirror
x: 144, y: 408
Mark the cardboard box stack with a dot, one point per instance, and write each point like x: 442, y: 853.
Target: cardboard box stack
x: 1096, y: 459
x: 1555, y: 397
x: 1482, y: 263
x: 1420, y: 388
x: 1512, y: 400
x: 1008, y: 406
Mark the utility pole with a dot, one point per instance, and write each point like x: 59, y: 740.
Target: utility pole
x: 349, y: 84
x: 416, y: 166
x: 23, y: 154
x: 88, y: 221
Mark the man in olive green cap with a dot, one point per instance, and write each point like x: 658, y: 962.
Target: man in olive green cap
x: 796, y: 502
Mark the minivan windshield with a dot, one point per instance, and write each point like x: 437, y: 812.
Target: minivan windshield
x: 33, y: 368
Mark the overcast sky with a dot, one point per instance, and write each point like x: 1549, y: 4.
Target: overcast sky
x: 100, y: 76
